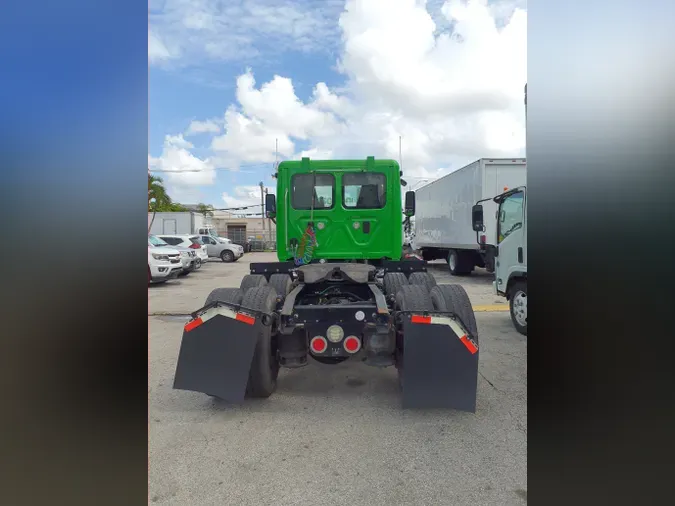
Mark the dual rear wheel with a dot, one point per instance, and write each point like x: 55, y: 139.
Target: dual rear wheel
x: 259, y: 295
x: 420, y: 292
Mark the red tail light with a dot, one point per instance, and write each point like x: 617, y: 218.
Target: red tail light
x: 195, y: 246
x: 482, y: 239
x: 318, y: 344
x: 352, y: 344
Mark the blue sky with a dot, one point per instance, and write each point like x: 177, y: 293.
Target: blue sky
x: 328, y: 78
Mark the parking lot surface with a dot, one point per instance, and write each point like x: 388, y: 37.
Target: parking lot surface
x: 334, y: 434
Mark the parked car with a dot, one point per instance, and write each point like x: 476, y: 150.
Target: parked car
x: 188, y: 256
x: 163, y: 264
x: 189, y: 241
x: 222, y: 248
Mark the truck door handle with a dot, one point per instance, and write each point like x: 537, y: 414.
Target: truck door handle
x: 520, y: 255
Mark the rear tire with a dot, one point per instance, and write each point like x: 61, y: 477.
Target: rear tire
x: 227, y: 256
x: 424, y: 279
x: 460, y: 263
x: 252, y: 281
x: 231, y: 295
x: 393, y: 281
x: 262, y: 377
x: 518, y: 306
x: 454, y: 299
x: 409, y: 298
x: 282, y: 284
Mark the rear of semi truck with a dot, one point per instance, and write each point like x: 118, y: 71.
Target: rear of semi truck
x: 339, y: 291
x: 443, y: 228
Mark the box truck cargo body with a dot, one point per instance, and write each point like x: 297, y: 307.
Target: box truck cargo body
x: 172, y: 223
x: 443, y: 222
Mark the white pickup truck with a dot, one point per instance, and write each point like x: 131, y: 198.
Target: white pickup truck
x: 163, y: 264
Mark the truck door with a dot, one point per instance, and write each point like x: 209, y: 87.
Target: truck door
x: 169, y: 227
x: 211, y: 245
x: 312, y: 198
x: 367, y: 220
x: 510, y: 237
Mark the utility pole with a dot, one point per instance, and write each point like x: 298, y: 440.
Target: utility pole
x: 262, y: 204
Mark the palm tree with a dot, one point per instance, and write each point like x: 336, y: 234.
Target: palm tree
x: 157, y: 191
x: 163, y: 202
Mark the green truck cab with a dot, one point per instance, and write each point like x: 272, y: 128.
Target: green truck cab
x: 337, y: 210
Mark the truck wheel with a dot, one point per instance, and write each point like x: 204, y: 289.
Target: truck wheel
x: 409, y: 298
x: 227, y: 256
x: 393, y: 281
x: 251, y: 281
x: 460, y: 264
x: 262, y: 377
x: 454, y: 299
x: 423, y: 279
x: 282, y: 284
x: 231, y: 295
x: 518, y: 306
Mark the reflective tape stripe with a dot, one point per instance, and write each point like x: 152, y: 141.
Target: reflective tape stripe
x: 215, y: 311
x: 193, y: 324
x: 470, y: 344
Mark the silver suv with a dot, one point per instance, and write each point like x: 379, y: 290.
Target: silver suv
x: 222, y: 248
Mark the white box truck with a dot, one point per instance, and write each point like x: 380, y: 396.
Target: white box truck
x: 178, y: 223
x: 443, y: 221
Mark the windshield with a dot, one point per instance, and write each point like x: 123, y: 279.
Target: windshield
x: 364, y: 190
x: 510, y: 215
x: 312, y: 190
x: 156, y: 241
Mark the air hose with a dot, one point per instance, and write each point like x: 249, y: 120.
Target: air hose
x: 304, y: 251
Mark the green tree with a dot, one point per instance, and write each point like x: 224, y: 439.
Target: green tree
x: 163, y: 202
x: 205, y: 209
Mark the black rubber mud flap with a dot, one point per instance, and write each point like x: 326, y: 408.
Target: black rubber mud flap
x: 215, y: 358
x: 441, y: 370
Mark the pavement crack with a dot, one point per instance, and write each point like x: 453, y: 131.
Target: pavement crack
x: 490, y: 382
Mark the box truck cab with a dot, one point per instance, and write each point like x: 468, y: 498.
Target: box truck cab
x: 511, y: 252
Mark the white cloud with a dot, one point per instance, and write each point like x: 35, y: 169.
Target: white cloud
x: 238, y: 30
x: 157, y: 51
x: 250, y: 139
x: 452, y: 96
x: 245, y: 196
x: 201, y: 127
x: 277, y: 105
x: 179, y: 167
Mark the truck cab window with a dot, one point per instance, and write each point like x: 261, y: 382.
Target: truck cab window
x: 316, y: 188
x: 510, y: 215
x: 364, y: 190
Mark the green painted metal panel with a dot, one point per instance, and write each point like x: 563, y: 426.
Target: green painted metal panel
x: 356, y: 210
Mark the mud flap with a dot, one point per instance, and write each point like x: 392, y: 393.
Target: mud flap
x: 440, y: 364
x: 216, y: 354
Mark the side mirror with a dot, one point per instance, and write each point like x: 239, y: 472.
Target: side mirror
x: 270, y: 205
x: 409, y: 203
x: 477, y: 218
